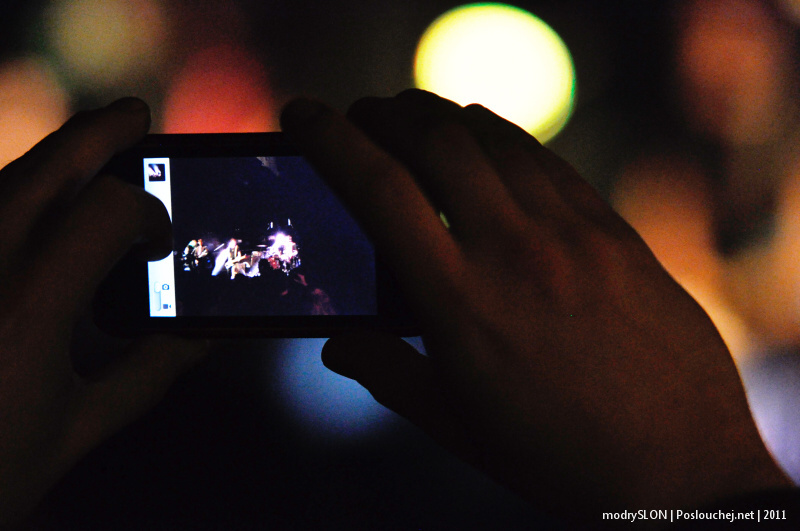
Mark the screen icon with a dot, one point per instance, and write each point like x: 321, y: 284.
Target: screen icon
x: 156, y: 172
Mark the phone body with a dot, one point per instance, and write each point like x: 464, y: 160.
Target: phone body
x: 261, y: 246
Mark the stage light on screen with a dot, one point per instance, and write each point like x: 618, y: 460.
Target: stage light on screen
x: 32, y: 105
x: 221, y: 89
x: 107, y: 42
x: 503, y: 58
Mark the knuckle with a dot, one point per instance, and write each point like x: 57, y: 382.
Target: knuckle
x: 476, y: 108
x: 616, y: 255
x: 383, y: 181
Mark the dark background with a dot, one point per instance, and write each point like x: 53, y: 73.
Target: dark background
x: 260, y: 435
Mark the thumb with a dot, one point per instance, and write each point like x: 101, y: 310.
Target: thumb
x: 404, y: 381
x: 129, y: 388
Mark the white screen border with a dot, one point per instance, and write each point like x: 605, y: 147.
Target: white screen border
x: 160, y: 273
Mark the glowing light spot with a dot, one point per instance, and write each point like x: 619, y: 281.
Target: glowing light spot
x: 32, y: 105
x: 504, y: 58
x: 321, y: 401
x: 222, y: 89
x: 106, y: 42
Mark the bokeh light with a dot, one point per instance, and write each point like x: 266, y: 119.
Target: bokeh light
x: 764, y: 283
x: 32, y: 105
x: 107, y: 42
x: 734, y: 65
x: 503, y: 58
x: 220, y: 89
x: 669, y: 204
x: 321, y: 401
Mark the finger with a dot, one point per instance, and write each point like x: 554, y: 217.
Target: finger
x: 426, y: 133
x: 382, y: 196
x: 129, y: 388
x: 106, y: 219
x: 55, y: 170
x: 404, y: 381
x: 544, y: 185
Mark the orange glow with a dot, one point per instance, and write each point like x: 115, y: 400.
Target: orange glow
x: 108, y: 42
x: 222, y: 89
x: 764, y: 283
x: 666, y: 201
x: 32, y: 105
x: 734, y: 60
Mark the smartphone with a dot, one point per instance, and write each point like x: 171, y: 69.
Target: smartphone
x: 261, y: 246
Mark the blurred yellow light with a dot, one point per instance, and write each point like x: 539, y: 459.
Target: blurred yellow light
x: 32, y: 105
x: 106, y: 42
x: 503, y: 58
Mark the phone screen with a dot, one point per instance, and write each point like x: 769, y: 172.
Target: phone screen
x: 256, y: 236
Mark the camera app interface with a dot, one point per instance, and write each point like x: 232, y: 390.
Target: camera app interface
x: 256, y: 236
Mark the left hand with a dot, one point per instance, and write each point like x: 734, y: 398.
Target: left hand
x: 53, y: 204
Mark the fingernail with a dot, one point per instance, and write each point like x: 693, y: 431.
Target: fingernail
x: 130, y: 105
x: 300, y: 112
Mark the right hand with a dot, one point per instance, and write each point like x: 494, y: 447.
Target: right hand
x: 563, y: 360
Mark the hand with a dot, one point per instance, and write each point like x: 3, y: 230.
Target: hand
x: 63, y: 228
x: 563, y: 360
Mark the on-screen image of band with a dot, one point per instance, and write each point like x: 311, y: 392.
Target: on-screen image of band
x: 195, y: 255
x: 229, y: 259
x: 279, y: 250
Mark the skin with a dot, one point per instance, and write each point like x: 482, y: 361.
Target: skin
x: 562, y: 359
x: 54, y: 203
